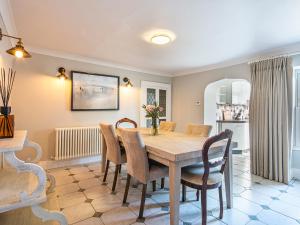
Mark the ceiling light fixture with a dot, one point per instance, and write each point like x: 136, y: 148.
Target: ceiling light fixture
x: 19, y: 50
x: 161, y: 39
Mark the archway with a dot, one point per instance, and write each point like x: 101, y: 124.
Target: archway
x: 232, y: 97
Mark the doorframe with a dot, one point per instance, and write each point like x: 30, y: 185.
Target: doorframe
x: 156, y: 85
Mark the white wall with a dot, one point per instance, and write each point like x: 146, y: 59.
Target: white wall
x: 41, y: 102
x: 6, y: 60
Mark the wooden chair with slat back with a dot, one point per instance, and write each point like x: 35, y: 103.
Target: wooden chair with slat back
x: 125, y: 120
x: 209, y: 175
x: 200, y: 130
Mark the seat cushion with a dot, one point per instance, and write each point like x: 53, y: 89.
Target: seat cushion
x: 193, y: 174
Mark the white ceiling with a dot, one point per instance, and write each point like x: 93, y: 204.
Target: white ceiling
x: 208, y: 32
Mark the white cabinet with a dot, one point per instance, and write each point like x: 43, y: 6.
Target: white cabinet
x: 224, y: 94
x: 240, y: 92
x: 240, y: 132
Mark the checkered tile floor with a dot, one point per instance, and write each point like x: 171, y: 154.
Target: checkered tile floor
x: 257, y: 201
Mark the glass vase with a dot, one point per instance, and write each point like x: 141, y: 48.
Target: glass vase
x: 7, y: 123
x: 154, y: 128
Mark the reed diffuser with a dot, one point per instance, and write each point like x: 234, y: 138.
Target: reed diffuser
x: 6, y: 120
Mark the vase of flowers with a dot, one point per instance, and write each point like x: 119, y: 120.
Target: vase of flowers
x: 6, y: 119
x: 152, y: 111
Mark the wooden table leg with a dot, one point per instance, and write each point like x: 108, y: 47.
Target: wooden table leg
x: 103, y: 153
x: 228, y: 180
x: 174, y: 176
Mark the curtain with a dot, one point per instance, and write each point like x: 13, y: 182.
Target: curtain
x: 271, y: 118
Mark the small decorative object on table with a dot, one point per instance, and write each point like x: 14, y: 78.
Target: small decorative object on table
x: 6, y: 120
x: 152, y: 111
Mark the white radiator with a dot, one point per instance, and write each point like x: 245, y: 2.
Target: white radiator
x: 76, y: 142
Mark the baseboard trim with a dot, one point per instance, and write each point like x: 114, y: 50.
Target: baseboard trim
x: 52, y: 164
x: 296, y: 173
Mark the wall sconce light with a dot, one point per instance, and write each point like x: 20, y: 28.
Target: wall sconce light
x: 19, y: 50
x: 127, y: 82
x: 62, y: 73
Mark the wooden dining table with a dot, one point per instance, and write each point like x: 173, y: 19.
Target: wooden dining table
x: 177, y: 150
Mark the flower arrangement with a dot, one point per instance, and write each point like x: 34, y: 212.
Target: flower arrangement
x: 152, y: 111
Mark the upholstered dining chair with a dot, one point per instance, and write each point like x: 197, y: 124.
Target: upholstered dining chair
x: 125, y: 120
x: 198, y: 129
x: 209, y: 175
x: 119, y: 124
x: 138, y: 165
x: 167, y: 126
x: 114, y: 151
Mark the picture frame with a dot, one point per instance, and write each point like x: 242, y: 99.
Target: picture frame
x: 94, y: 92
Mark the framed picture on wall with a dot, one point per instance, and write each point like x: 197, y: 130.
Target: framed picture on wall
x: 94, y: 91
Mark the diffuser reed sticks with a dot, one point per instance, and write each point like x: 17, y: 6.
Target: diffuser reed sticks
x: 6, y: 85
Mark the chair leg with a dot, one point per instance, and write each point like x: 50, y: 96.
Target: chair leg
x: 120, y: 169
x: 221, y: 202
x: 197, y: 195
x: 106, y: 170
x: 203, y: 206
x: 162, y: 183
x: 115, y: 178
x: 154, y: 185
x: 126, y: 188
x: 183, y: 193
x: 141, y: 213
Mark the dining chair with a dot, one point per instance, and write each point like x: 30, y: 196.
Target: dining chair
x: 167, y: 126
x: 198, y: 129
x: 138, y: 165
x: 118, y: 125
x: 125, y: 120
x: 209, y: 175
x: 114, y: 152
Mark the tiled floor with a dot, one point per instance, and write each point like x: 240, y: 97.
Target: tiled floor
x: 85, y: 201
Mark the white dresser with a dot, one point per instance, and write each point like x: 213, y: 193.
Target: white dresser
x: 23, y: 184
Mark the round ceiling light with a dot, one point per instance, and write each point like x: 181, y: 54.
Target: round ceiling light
x: 161, y: 39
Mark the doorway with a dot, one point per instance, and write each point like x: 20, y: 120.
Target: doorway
x: 160, y: 93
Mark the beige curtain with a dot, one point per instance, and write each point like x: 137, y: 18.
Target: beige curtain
x: 270, y: 118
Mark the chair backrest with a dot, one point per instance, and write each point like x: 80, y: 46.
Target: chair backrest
x: 227, y: 134
x: 137, y: 159
x: 125, y: 120
x: 198, y: 129
x: 112, y: 143
x: 167, y: 126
